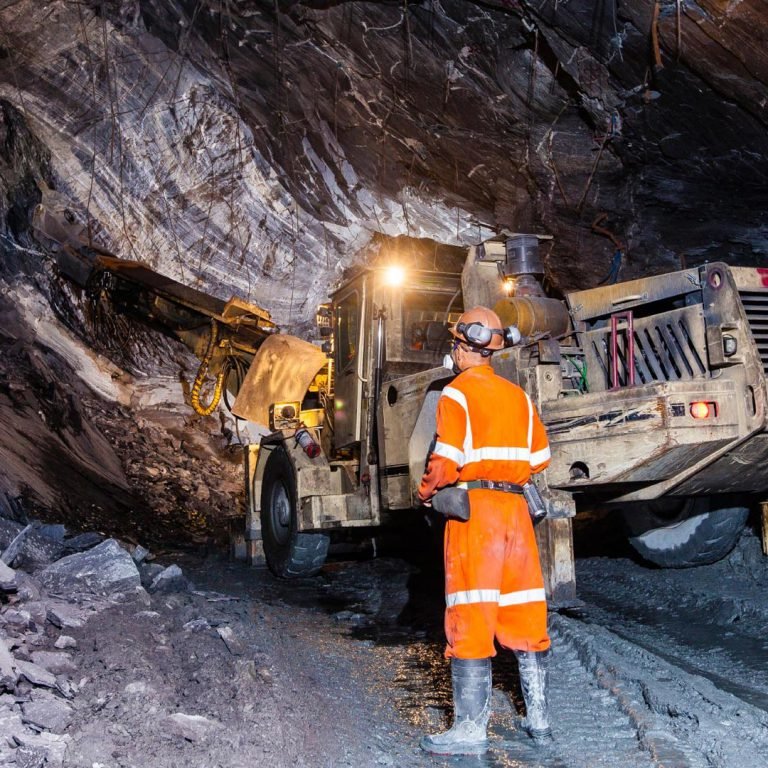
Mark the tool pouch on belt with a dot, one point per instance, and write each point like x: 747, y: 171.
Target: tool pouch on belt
x: 452, y: 502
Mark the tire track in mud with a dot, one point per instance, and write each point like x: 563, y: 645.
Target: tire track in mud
x: 613, y: 672
x: 704, y: 620
x: 588, y: 708
x: 685, y: 653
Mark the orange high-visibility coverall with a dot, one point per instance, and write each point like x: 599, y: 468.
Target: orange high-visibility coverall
x: 488, y: 429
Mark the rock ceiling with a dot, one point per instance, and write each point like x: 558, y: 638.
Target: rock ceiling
x: 258, y: 148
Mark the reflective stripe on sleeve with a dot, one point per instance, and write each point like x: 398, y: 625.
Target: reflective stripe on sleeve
x: 449, y: 452
x: 472, y: 596
x: 524, y: 596
x: 459, y: 397
x: 539, y: 457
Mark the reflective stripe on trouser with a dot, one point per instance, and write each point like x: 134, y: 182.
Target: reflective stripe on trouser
x: 493, y: 582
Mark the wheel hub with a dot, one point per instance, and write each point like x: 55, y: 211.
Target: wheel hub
x: 281, y: 513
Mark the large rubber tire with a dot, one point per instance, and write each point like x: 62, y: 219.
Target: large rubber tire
x: 289, y: 554
x: 685, y: 534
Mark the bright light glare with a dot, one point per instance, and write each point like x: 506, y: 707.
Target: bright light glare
x: 509, y: 286
x: 700, y: 410
x: 395, y: 275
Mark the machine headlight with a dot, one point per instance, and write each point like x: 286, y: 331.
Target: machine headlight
x: 395, y: 275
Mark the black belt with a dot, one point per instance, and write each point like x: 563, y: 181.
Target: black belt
x: 492, y: 485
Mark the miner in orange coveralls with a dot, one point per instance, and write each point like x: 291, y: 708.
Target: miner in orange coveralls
x: 489, y: 440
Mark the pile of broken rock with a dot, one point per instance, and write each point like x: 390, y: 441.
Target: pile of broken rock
x: 51, y: 583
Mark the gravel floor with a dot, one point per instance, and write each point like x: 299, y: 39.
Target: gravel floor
x: 655, y: 668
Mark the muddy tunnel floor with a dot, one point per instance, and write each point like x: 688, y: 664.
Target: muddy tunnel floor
x: 228, y: 667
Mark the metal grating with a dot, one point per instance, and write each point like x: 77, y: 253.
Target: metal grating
x: 667, y: 347
x: 755, y: 305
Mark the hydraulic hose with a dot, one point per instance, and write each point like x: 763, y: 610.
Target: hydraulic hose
x: 239, y: 367
x: 202, y: 371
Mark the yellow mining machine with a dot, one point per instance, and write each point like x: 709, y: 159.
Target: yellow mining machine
x: 652, y: 391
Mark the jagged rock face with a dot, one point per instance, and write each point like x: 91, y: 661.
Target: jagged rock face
x: 260, y: 148
x: 246, y: 150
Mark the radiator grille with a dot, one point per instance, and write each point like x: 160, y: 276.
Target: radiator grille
x: 755, y: 305
x: 667, y: 347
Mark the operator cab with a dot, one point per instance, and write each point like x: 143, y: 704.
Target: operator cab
x: 406, y: 324
x: 419, y: 319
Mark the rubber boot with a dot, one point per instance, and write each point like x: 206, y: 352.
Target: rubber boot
x: 533, y: 680
x: 471, y: 710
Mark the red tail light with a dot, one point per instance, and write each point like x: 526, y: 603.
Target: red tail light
x: 703, y: 410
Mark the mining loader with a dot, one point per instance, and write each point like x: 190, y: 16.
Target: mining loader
x: 652, y: 392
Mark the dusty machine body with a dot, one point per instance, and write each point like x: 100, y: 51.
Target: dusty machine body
x: 652, y: 391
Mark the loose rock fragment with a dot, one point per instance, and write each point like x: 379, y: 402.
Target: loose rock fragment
x: 48, y: 712
x: 53, y: 531
x: 7, y: 578
x: 66, y: 615
x: 52, y: 746
x: 13, y: 549
x: 149, y: 571
x: 36, y: 674
x: 11, y: 727
x: 103, y: 570
x: 234, y: 646
x: 139, y: 554
x: 17, y: 619
x: 27, y: 546
x: 83, y: 541
x: 197, y: 625
x: 191, y: 727
x: 9, y: 672
x: 31, y: 757
x: 38, y: 612
x: 171, y: 579
x: 55, y: 662
x: 26, y: 587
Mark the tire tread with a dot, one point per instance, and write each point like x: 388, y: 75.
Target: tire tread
x: 712, y: 540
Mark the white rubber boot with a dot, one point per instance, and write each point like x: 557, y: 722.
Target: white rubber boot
x: 533, y: 680
x: 472, y: 708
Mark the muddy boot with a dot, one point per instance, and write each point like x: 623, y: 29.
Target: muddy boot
x: 472, y: 708
x: 533, y: 681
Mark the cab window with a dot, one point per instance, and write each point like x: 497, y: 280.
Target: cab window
x: 426, y: 320
x: 347, y: 326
